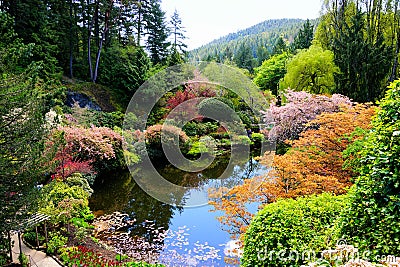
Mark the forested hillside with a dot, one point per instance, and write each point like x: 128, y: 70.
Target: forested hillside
x: 260, y: 39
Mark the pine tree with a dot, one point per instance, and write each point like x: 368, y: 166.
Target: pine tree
x: 363, y: 63
x: 157, y: 33
x: 279, y: 47
x: 178, y: 33
x: 305, y: 36
x: 244, y: 58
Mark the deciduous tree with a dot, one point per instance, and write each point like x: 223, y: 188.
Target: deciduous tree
x: 313, y: 165
x: 311, y: 70
x: 291, y: 119
x: 272, y: 70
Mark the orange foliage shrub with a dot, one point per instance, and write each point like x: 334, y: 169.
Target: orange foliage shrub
x: 313, y: 165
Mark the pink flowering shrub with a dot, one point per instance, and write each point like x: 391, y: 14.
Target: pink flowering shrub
x: 91, y: 143
x: 81, y: 148
x: 153, y: 134
x: 290, y: 119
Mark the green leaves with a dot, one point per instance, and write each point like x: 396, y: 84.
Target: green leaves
x: 291, y: 226
x: 271, y: 72
x: 372, y: 220
x: 311, y: 70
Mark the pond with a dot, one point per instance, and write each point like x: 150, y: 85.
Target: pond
x: 194, y: 236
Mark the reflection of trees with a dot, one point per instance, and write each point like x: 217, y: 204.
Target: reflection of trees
x: 152, y: 217
x: 121, y: 193
x: 112, y: 192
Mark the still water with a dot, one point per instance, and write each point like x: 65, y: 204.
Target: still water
x: 194, y: 235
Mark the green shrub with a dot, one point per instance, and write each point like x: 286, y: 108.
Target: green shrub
x: 224, y: 135
x: 131, y: 121
x: 218, y: 108
x: 241, y: 140
x: 245, y: 118
x: 372, y: 221
x: 301, y: 225
x: 63, y: 202
x: 30, y: 238
x: 55, y: 243
x: 23, y: 259
x: 76, y: 179
x: 257, y: 138
x: 197, y: 148
x: 81, y: 233
x: 3, y: 259
x: 205, y: 145
x: 225, y: 142
x: 79, y: 222
x: 142, y: 264
x: 196, y: 128
x: 120, y: 257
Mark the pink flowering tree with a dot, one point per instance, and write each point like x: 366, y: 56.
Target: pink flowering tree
x: 290, y: 119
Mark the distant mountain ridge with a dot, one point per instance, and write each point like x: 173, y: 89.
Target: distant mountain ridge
x: 263, y: 34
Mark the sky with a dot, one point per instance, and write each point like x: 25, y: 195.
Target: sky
x: 206, y: 20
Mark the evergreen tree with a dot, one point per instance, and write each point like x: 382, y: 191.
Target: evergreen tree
x: 262, y: 54
x: 175, y: 58
x: 21, y: 131
x: 178, y: 33
x: 157, y: 33
x: 363, y: 65
x: 32, y: 23
x: 127, y: 68
x: 280, y: 46
x: 244, y: 58
x: 228, y: 54
x: 108, y: 19
x: 140, y: 8
x: 305, y: 36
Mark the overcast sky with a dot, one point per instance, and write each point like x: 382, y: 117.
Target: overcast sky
x: 206, y: 20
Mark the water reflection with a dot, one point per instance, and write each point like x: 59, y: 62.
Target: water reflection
x: 193, y: 230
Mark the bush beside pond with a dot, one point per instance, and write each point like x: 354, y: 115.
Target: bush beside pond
x: 287, y: 225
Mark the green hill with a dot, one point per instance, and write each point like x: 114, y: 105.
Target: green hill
x: 260, y: 38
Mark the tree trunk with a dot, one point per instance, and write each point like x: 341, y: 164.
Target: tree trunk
x: 89, y: 50
x: 393, y: 75
x: 139, y: 24
x: 71, y: 46
x: 103, y: 36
